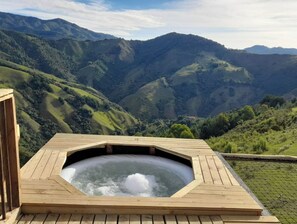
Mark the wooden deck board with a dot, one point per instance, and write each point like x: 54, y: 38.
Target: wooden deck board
x: 158, y: 219
x: 135, y: 219
x: 100, y: 219
x: 124, y: 219
x: 213, y: 170
x: 47, y: 171
x: 197, y: 169
x: 30, y: 166
x: 39, y: 219
x: 193, y: 219
x: 42, y: 164
x: 63, y: 219
x: 222, y: 172
x: 205, y: 169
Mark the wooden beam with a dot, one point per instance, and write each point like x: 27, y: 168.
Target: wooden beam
x: 6, y: 155
x: 108, y: 149
x: 13, y: 148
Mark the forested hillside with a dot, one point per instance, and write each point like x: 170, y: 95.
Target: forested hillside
x: 266, y: 128
x: 47, y: 105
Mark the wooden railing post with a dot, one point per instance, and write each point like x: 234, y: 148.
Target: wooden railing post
x: 9, y: 154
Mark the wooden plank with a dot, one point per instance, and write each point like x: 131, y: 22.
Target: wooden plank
x: 135, y: 219
x: 12, y: 141
x: 205, y: 170
x: 204, y: 201
x: 2, y: 183
x: 174, y: 152
x: 111, y: 219
x: 41, y: 184
x: 75, y: 219
x: 59, y: 164
x: 182, y: 219
x: 84, y: 147
x: 123, y: 219
x: 31, y: 165
x: 100, y: 219
x: 7, y: 97
x: 146, y: 219
x: 221, y: 168
x: 67, y: 186
x: 63, y: 219
x: 197, y: 169
x: 193, y: 219
x: 39, y: 219
x: 187, y: 189
x: 249, y: 219
x: 205, y: 220
x: 41, y: 165
x: 158, y: 219
x: 5, y: 92
x: 45, y: 191
x: 26, y: 219
x: 170, y: 219
x: 87, y: 219
x: 51, y: 219
x: 231, y: 177
x: 216, y: 219
x: 50, y: 165
x: 5, y: 161
x: 213, y: 170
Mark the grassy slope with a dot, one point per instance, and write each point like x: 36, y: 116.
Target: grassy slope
x: 206, y: 87
x: 37, y: 106
x: 274, y: 183
x: 277, y: 127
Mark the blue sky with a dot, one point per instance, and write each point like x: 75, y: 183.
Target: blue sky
x: 234, y: 23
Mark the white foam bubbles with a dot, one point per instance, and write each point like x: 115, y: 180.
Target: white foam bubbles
x: 140, y: 184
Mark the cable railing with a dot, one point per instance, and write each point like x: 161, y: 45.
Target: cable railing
x: 9, y: 158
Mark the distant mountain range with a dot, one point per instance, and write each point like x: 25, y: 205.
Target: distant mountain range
x: 165, y: 77
x: 260, y: 49
x: 49, y: 29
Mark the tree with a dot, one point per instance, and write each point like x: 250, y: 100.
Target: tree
x: 273, y: 101
x: 247, y: 113
x: 180, y: 131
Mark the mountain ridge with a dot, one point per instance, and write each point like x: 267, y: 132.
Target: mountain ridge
x: 261, y: 49
x: 49, y: 29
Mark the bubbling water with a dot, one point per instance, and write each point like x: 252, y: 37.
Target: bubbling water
x: 128, y: 175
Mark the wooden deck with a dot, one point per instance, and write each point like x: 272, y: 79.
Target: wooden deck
x: 213, y: 197
x: 140, y: 219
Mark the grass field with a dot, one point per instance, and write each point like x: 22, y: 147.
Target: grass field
x: 274, y: 183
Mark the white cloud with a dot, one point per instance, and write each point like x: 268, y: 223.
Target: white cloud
x: 235, y: 23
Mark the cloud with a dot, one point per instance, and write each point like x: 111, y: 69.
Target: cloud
x: 236, y: 24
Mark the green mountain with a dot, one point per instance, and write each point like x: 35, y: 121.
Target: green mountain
x: 165, y: 77
x: 49, y: 29
x: 260, y: 49
x: 47, y: 104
